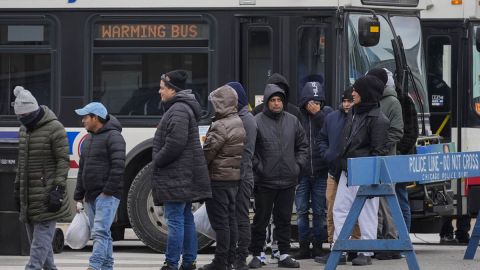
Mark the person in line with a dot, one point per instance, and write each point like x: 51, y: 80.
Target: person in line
x: 280, y: 152
x: 330, y: 136
x: 390, y: 106
x: 280, y: 81
x: 223, y: 149
x: 180, y: 173
x: 364, y: 134
x: 310, y: 193
x: 39, y: 187
x: 242, y: 204
x: 100, y: 178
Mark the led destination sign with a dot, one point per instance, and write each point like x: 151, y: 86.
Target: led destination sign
x: 151, y: 31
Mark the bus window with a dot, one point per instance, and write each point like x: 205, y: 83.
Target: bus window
x: 439, y: 82
x: 128, y: 83
x: 476, y: 74
x: 361, y: 59
x: 259, y: 59
x: 32, y: 69
x: 129, y: 56
x: 311, y: 56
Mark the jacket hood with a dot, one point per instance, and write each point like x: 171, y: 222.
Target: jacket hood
x: 47, y: 117
x: 390, y: 85
x: 224, y: 101
x: 271, y: 89
x: 187, y: 97
x: 281, y: 82
x: 111, y: 124
x: 312, y: 91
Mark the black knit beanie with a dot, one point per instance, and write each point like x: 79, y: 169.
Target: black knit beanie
x: 175, y: 79
x: 380, y: 73
x: 369, y: 88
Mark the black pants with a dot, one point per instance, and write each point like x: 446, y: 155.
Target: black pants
x: 243, y: 220
x: 463, y: 227
x: 280, y: 203
x: 222, y: 215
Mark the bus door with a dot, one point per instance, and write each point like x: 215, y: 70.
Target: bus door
x: 442, y: 45
x: 293, y: 46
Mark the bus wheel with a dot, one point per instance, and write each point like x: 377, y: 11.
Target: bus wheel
x: 147, y: 219
x: 58, y: 241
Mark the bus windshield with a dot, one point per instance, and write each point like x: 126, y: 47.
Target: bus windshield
x: 362, y: 59
x: 408, y: 28
x: 475, y: 72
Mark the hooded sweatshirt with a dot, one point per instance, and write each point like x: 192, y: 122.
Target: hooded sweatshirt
x: 312, y: 124
x: 224, y: 145
x: 390, y: 106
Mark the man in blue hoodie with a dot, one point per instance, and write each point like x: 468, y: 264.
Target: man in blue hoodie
x: 310, y: 191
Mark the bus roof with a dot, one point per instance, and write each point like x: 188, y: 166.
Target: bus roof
x: 465, y: 9
x: 163, y: 4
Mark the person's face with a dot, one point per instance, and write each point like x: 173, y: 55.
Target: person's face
x: 275, y: 104
x: 347, y: 105
x: 166, y: 93
x: 357, y: 99
x: 90, y: 122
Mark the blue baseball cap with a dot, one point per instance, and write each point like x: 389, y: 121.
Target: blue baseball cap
x: 96, y: 108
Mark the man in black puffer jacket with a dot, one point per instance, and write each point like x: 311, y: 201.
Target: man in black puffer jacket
x: 100, y: 178
x: 280, y: 153
x: 180, y: 174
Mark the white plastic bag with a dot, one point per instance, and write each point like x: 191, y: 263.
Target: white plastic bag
x: 202, y: 223
x: 78, y: 233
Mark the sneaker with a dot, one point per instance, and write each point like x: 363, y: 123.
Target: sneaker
x: 351, y: 256
x: 255, y: 263
x: 167, y: 266
x: 213, y: 266
x: 448, y: 240
x: 275, y: 257
x: 240, y: 265
x: 362, y: 260
x: 263, y: 258
x: 191, y: 267
x: 324, y: 259
x: 288, y: 262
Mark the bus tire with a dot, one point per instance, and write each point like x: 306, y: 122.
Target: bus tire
x: 146, y: 219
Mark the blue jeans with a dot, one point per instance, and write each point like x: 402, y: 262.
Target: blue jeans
x: 182, y: 235
x: 310, y: 193
x: 402, y: 196
x: 101, y: 214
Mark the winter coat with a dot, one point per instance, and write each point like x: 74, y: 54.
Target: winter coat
x: 223, y: 147
x: 312, y: 124
x: 408, y: 142
x: 391, y: 107
x: 330, y: 136
x: 180, y: 171
x: 43, y: 162
x: 102, y: 163
x: 250, y: 126
x: 366, y: 137
x: 281, y: 148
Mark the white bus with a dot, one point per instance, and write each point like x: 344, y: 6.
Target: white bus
x: 69, y: 53
x: 451, y: 39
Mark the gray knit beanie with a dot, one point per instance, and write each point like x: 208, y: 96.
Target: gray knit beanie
x: 25, y: 101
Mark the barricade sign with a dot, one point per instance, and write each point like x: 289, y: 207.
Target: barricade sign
x: 375, y: 175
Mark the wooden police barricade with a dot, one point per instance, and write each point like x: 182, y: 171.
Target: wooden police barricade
x: 375, y: 175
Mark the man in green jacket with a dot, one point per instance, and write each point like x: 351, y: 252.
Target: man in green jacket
x: 41, y: 175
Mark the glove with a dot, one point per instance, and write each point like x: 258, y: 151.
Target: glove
x: 55, y: 198
x: 79, y: 206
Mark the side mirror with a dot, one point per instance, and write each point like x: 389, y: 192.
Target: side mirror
x: 477, y: 38
x: 368, y: 31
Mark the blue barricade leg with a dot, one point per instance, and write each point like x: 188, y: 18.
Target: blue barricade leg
x: 346, y: 231
x: 473, y: 243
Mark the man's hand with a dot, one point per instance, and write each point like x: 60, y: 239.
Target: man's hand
x: 79, y: 206
x: 313, y: 107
